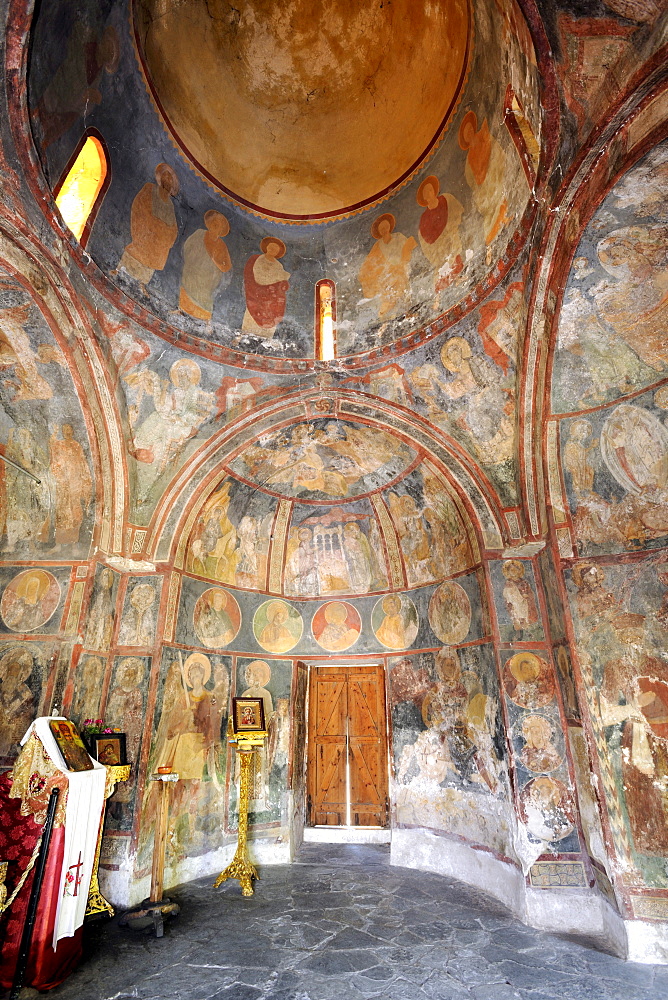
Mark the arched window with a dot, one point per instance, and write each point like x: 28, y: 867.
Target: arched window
x: 80, y: 190
x: 325, y: 320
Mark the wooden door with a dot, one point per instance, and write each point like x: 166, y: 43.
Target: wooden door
x: 347, y: 768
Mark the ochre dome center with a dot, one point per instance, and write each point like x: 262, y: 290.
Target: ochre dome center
x: 298, y: 109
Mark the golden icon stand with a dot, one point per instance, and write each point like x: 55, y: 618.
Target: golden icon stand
x: 240, y: 867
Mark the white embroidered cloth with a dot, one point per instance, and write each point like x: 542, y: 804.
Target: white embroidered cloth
x: 85, y: 802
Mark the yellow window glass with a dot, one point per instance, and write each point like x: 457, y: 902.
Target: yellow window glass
x: 82, y: 185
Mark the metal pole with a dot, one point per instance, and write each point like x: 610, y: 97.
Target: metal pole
x: 26, y: 937
x: 20, y: 468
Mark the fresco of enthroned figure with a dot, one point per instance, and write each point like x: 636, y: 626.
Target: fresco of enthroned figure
x: 324, y: 458
x: 229, y: 542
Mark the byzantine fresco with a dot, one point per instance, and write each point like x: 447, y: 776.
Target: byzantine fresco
x: 277, y: 626
x: 46, y: 505
x: 448, y: 744
x: 619, y: 615
x: 516, y: 601
x: 140, y: 610
x: 336, y: 626
x: 610, y: 337
x: 101, y: 610
x: 24, y: 671
x: 324, y: 460
x: 189, y: 726
x: 545, y: 798
x: 334, y: 550
x: 229, y: 542
x: 432, y: 537
x: 82, y: 700
x: 615, y: 463
x: 270, y: 680
x: 206, y: 266
x: 31, y: 600
x: 466, y: 386
x: 125, y: 709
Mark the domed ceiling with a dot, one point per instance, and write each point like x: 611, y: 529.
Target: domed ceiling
x: 391, y: 149
x: 301, y: 115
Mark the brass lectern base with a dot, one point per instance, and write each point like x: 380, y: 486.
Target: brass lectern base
x: 241, y: 869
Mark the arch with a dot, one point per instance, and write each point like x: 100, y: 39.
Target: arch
x: 83, y: 184
x: 204, y: 466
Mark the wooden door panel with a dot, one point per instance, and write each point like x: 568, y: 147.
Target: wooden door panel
x: 366, y: 717
x: 331, y: 706
x: 327, y: 782
x: 368, y: 784
x: 347, y: 732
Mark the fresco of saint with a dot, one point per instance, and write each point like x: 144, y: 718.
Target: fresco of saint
x: 450, y: 613
x: 153, y: 227
x: 277, y: 626
x: 539, y: 753
x: 74, y: 485
x: 138, y: 625
x: 395, y: 622
x: 30, y: 600
x: 547, y: 809
x: 18, y: 705
x: 75, y: 85
x: 519, y: 597
x: 206, y: 261
x: 385, y: 272
x: 180, y: 407
x: 336, y: 626
x: 438, y: 232
x: 216, y: 618
x: 266, y: 284
x: 485, y: 174
x: 528, y: 680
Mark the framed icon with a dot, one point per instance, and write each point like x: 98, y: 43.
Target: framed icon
x: 109, y: 748
x: 248, y: 715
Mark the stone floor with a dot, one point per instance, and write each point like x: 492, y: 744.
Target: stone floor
x: 342, y: 923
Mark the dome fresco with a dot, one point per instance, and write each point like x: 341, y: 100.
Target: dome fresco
x: 425, y: 229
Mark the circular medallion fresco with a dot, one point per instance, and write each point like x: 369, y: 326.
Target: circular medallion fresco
x: 528, y: 680
x: 277, y: 626
x: 395, y: 621
x: 547, y: 808
x: 29, y: 600
x: 216, y: 618
x: 336, y: 626
x: 450, y: 613
x: 297, y: 116
x: 539, y: 752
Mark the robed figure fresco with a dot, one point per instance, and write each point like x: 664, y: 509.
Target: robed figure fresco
x: 266, y: 284
x: 153, y: 226
x: 74, y: 485
x: 438, y: 231
x: 385, y: 272
x: 485, y: 173
x: 206, y: 262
